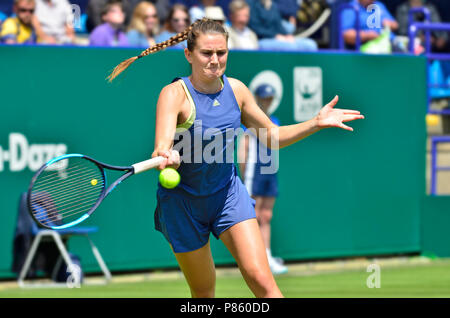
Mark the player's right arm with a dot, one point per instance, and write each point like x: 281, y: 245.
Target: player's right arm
x: 168, y: 109
x: 277, y: 137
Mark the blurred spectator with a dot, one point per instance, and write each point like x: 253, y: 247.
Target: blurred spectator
x: 266, y: 21
x: 177, y: 21
x: 224, y: 4
x: 288, y: 10
x: 144, y: 25
x: 94, y: 11
x: 438, y: 39
x: 239, y: 34
x: 110, y: 32
x: 19, y: 29
x: 197, y: 11
x: 55, y: 18
x: 215, y: 13
x: 163, y: 8
x: 94, y: 15
x: 369, y: 30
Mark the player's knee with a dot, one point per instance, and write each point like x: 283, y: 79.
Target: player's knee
x: 204, y: 288
x: 202, y: 292
x: 261, y: 282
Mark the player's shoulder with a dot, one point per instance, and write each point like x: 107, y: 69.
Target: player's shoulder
x: 240, y: 90
x: 172, y: 96
x: 236, y: 84
x: 173, y: 89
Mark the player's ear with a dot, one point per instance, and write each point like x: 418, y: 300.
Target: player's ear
x: 187, y: 54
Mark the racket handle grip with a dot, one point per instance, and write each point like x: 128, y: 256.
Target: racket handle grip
x: 148, y: 164
x: 152, y: 163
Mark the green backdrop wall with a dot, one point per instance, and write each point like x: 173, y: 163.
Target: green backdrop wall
x: 341, y: 193
x: 435, y: 218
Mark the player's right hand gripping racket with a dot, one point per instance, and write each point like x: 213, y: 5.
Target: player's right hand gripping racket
x: 67, y: 189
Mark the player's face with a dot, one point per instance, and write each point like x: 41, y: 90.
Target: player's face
x: 209, y: 57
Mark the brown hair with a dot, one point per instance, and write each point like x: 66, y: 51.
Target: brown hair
x: 191, y: 34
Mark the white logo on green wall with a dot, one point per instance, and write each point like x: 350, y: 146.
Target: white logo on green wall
x: 307, y: 92
x: 20, y: 154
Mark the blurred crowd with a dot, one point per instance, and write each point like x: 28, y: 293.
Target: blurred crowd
x: 251, y: 24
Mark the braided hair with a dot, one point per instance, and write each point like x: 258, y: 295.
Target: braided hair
x: 191, y: 34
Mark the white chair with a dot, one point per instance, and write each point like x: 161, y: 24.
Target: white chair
x: 58, y: 236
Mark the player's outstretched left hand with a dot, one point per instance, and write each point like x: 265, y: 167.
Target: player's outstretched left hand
x: 336, y: 117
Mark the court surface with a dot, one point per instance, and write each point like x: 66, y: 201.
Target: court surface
x: 398, y: 277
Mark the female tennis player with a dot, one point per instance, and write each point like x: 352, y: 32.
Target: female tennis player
x: 211, y: 198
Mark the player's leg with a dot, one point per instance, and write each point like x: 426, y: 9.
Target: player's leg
x: 244, y: 241
x: 178, y: 217
x: 199, y: 270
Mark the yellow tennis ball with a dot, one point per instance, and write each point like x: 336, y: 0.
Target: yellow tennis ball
x: 94, y: 182
x: 169, y: 178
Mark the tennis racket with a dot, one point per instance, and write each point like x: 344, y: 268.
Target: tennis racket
x: 67, y: 189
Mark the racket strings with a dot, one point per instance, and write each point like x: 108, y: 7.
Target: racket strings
x: 49, y: 213
x: 49, y: 207
x: 63, y: 190
x: 66, y: 189
x: 50, y: 216
x: 43, y: 179
x: 67, y: 201
x: 62, y: 194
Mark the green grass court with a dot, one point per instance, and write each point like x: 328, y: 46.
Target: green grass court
x: 411, y: 278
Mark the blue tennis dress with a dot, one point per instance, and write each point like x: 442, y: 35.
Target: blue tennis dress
x: 210, y: 197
